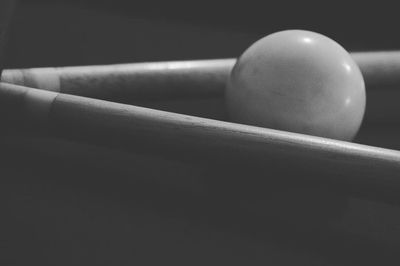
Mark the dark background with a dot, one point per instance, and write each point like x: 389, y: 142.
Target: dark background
x: 68, y: 203
x: 84, y: 32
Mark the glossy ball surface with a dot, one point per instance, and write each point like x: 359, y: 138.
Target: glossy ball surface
x: 298, y: 81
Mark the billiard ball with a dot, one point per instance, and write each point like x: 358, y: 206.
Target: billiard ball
x: 298, y: 81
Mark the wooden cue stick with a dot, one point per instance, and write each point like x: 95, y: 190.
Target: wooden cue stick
x: 166, y: 80
x: 130, y: 82
x: 354, y: 167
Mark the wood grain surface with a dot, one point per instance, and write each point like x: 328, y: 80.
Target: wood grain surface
x: 360, y: 169
x: 175, y: 79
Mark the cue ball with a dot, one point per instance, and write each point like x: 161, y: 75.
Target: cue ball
x: 298, y: 81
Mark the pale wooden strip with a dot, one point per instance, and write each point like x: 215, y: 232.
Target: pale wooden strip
x: 175, y: 79
x: 367, y: 170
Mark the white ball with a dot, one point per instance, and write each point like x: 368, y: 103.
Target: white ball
x: 298, y: 81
